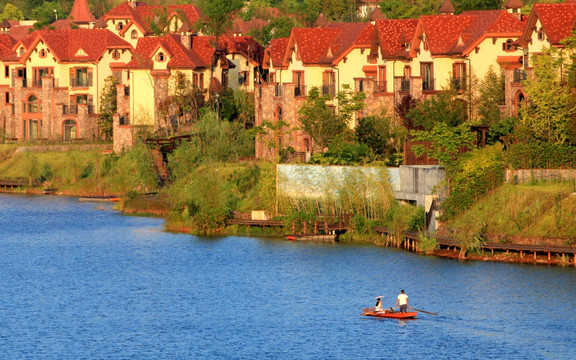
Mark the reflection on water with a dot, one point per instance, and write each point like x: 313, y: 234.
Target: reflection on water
x: 80, y: 281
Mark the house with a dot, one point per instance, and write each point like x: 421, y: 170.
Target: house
x: 547, y: 26
x: 327, y: 58
x: 161, y: 67
x: 132, y: 20
x: 52, y: 82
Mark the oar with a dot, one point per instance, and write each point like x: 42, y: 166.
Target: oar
x: 426, y: 312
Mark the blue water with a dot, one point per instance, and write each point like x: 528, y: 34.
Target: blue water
x: 81, y: 281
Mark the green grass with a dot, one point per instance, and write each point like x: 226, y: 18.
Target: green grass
x: 540, y: 210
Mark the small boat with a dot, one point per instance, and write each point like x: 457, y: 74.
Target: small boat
x: 389, y: 314
x: 312, y: 237
x: 104, y: 198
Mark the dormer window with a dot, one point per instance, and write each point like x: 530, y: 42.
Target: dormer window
x: 160, y: 57
x: 541, y: 34
x: 134, y: 34
x: 21, y: 51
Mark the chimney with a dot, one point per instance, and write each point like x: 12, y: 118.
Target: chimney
x: 132, y: 3
x: 185, y: 39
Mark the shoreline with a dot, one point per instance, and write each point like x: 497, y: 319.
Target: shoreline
x: 508, y: 257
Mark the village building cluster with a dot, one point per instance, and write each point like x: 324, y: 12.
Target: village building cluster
x: 53, y: 79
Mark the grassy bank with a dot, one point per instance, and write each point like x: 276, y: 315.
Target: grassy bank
x: 515, y: 212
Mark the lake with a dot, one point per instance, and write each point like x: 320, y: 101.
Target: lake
x: 82, y: 281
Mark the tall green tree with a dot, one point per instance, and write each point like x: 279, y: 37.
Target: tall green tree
x: 108, y: 106
x: 45, y: 14
x: 325, y: 123
x: 491, y: 93
x: 11, y: 12
x: 549, y: 108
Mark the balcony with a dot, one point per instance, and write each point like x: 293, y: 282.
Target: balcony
x: 80, y: 82
x: 459, y: 83
x: 328, y: 90
x: 428, y: 84
x: 519, y: 75
x: 380, y: 86
x: 405, y: 85
x: 69, y: 109
x: 300, y: 91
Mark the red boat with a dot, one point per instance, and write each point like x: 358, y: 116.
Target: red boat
x: 389, y: 314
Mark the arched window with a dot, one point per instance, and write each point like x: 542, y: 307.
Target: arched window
x: 134, y: 34
x: 120, y: 26
x: 279, y: 113
x: 32, y: 104
x: 115, y: 55
x: 520, y: 99
x: 509, y: 45
x: 306, y: 145
x: 160, y: 56
x: 69, y: 130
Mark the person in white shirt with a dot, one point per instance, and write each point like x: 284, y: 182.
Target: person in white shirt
x: 402, y: 301
x: 378, y: 305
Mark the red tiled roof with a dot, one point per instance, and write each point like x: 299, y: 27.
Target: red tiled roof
x: 144, y: 14
x: 328, y: 44
x: 443, y: 32
x: 245, y: 45
x: 80, y: 12
x: 180, y: 57
x: 313, y: 44
x: 277, y: 50
x: 7, y: 43
x: 390, y: 34
x: 557, y: 19
x: 66, y: 44
x: 18, y: 31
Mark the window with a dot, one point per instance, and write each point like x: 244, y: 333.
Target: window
x: 32, y: 104
x: 115, y: 55
x: 381, y: 84
x: 120, y: 26
x: 508, y: 45
x: 81, y: 99
x: 279, y: 113
x: 243, y: 78
x: 69, y: 130
x: 328, y: 81
x: 6, y: 71
x: 134, y: 34
x: 426, y: 71
x: 160, y: 57
x: 7, y: 97
x: 42, y: 54
x: 82, y: 77
x: 201, y: 81
x: 459, y: 76
x: 298, y: 79
x: 39, y: 73
x: 541, y: 35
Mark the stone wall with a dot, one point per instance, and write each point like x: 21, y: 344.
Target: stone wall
x: 527, y: 175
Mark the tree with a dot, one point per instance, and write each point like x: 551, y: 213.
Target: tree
x: 11, y: 12
x: 446, y: 144
x: 548, y: 110
x: 108, y: 106
x: 492, y: 94
x: 46, y: 14
x: 325, y: 123
x: 445, y: 108
x: 216, y: 20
